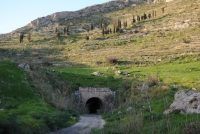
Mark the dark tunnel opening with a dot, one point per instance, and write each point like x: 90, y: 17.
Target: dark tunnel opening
x: 94, y: 104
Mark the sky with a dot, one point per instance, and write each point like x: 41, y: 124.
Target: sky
x: 18, y: 13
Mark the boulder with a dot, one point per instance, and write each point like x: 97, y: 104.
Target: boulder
x: 128, y: 109
x: 118, y: 72
x: 96, y: 73
x: 185, y: 102
x: 168, y: 0
x: 181, y: 25
x: 24, y: 66
x: 2, y: 109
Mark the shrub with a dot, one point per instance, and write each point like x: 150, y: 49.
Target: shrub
x: 57, y: 35
x: 91, y: 26
x: 29, y: 37
x: 193, y: 128
x: 187, y: 39
x: 152, y: 81
x: 112, y: 60
x: 152, y: 116
x: 87, y: 37
x: 99, y: 62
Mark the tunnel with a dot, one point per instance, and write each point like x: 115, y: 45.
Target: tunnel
x: 94, y: 104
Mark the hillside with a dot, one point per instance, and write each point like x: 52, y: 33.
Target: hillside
x: 146, y: 62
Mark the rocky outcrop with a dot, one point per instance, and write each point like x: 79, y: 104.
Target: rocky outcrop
x: 168, y: 0
x: 185, y: 102
x: 67, y: 15
x: 24, y: 66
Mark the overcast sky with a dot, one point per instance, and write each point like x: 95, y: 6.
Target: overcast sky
x: 18, y: 13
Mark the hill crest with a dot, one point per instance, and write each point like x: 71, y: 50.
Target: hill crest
x: 50, y: 20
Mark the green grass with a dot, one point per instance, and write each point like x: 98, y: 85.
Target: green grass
x: 22, y: 109
x: 82, y: 77
x: 182, y: 74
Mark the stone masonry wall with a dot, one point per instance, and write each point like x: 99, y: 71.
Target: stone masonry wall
x: 104, y: 94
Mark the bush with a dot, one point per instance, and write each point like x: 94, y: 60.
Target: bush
x: 87, y: 37
x: 112, y: 60
x: 152, y: 116
x: 10, y: 126
x: 153, y: 81
x: 187, y: 39
x: 193, y: 128
x: 99, y: 62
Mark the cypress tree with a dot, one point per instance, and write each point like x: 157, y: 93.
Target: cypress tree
x: 91, y: 26
x: 105, y: 24
x: 103, y: 32
x: 163, y: 10
x: 134, y: 21
x: 119, y: 24
x: 57, y: 35
x: 87, y: 37
x: 145, y: 16
x: 114, y: 28
x: 100, y: 24
x: 29, y: 37
x: 68, y: 28
x: 21, y: 36
x: 64, y: 30
x: 56, y: 30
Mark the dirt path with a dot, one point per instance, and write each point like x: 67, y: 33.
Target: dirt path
x: 84, y: 126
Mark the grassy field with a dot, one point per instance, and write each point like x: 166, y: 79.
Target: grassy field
x: 179, y: 74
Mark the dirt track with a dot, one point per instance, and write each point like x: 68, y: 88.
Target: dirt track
x: 84, y: 126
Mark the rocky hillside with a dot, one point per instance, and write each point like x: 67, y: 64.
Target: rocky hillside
x: 67, y: 15
x: 55, y: 18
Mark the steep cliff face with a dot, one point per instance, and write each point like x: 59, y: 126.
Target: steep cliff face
x: 67, y: 15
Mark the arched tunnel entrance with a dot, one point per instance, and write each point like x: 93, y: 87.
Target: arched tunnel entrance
x: 93, y: 104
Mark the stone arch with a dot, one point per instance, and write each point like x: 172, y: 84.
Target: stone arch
x: 93, y: 104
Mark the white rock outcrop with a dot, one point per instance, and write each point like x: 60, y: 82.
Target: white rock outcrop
x: 185, y: 102
x: 24, y: 66
x: 96, y: 73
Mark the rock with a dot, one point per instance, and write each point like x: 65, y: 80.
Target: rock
x: 59, y: 91
x: 24, y: 66
x: 119, y: 112
x: 168, y: 0
x: 96, y: 73
x: 194, y: 89
x: 128, y: 109
x: 118, y: 72
x: 2, y: 109
x: 181, y: 25
x: 126, y: 73
x: 185, y: 102
x: 145, y: 87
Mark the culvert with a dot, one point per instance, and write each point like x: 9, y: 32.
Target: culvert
x: 94, y: 104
